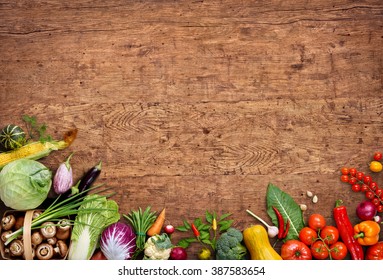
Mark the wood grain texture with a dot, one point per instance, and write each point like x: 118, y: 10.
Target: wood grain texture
x: 198, y: 105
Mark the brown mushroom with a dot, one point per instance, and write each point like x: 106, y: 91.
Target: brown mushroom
x: 4, y: 235
x: 36, y: 238
x: 16, y: 248
x: 48, y: 229
x: 8, y: 222
x: 61, y: 248
x: 52, y: 240
x: 63, y: 229
x: 44, y: 251
x: 19, y: 222
x: 36, y: 214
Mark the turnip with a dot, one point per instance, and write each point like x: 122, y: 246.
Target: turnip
x: 366, y: 210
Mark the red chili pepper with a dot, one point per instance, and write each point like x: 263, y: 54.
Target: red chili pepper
x: 286, y: 229
x: 281, y: 223
x: 346, y: 231
x: 195, y: 230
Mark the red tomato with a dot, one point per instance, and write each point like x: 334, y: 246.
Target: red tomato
x: 307, y: 235
x: 319, y: 250
x: 338, y: 251
x: 329, y: 234
x: 375, y: 252
x: 344, y: 170
x: 378, y: 156
x: 295, y: 250
x: 317, y: 222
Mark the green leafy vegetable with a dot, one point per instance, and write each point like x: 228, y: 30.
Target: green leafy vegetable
x: 24, y: 184
x: 289, y: 209
x: 94, y: 215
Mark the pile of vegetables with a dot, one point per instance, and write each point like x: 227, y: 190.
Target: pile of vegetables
x: 80, y: 221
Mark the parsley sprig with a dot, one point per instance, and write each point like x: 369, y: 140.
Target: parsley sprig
x: 36, y: 130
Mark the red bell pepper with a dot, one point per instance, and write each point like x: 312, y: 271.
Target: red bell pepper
x: 346, y: 231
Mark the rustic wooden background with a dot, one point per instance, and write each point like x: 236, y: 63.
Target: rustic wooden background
x: 198, y: 105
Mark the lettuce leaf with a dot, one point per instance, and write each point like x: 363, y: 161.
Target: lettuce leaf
x: 289, y: 209
x: 93, y: 217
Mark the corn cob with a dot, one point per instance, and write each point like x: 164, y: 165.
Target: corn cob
x: 37, y: 150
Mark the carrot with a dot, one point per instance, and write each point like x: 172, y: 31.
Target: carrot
x: 157, y: 225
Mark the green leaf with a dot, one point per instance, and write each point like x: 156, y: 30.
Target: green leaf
x: 225, y: 225
x: 183, y: 243
x: 289, y: 209
x: 209, y: 217
x: 224, y: 216
x: 206, y: 241
x: 181, y: 228
x: 198, y: 223
x: 204, y: 235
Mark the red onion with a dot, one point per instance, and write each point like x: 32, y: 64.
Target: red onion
x: 178, y: 253
x: 366, y: 210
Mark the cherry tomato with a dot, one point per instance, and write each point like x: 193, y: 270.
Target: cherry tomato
x: 378, y: 192
x: 338, y: 250
x: 344, y: 171
x: 295, y: 250
x: 344, y: 178
x: 352, y: 171
x: 375, y: 252
x: 329, y: 234
x: 375, y: 166
x: 359, y: 175
x: 307, y: 235
x: 378, y: 156
x: 317, y: 222
x: 364, y: 188
x: 373, y: 186
x: 369, y: 195
x: 352, y: 180
x: 356, y: 188
x: 375, y: 201
x: 319, y: 250
x: 367, y: 179
x: 379, y: 208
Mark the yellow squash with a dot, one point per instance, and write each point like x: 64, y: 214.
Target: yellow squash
x: 258, y: 244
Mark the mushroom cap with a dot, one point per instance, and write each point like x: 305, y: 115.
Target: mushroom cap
x: 16, y: 248
x: 44, y: 251
x: 48, y: 229
x: 7, y: 222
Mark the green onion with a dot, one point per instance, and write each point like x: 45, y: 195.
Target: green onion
x: 57, y: 210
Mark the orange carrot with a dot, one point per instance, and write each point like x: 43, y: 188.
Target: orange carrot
x: 157, y: 225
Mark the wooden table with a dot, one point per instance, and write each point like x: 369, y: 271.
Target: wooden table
x: 198, y: 105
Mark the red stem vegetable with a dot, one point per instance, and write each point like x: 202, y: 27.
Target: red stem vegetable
x: 281, y: 222
x: 195, y: 230
x: 346, y: 231
x: 286, y: 229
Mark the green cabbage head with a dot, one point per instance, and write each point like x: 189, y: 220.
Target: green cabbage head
x: 24, y: 184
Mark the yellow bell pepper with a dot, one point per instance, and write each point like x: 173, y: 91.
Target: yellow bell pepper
x: 367, y: 233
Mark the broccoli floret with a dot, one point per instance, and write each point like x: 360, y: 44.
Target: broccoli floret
x: 229, y: 247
